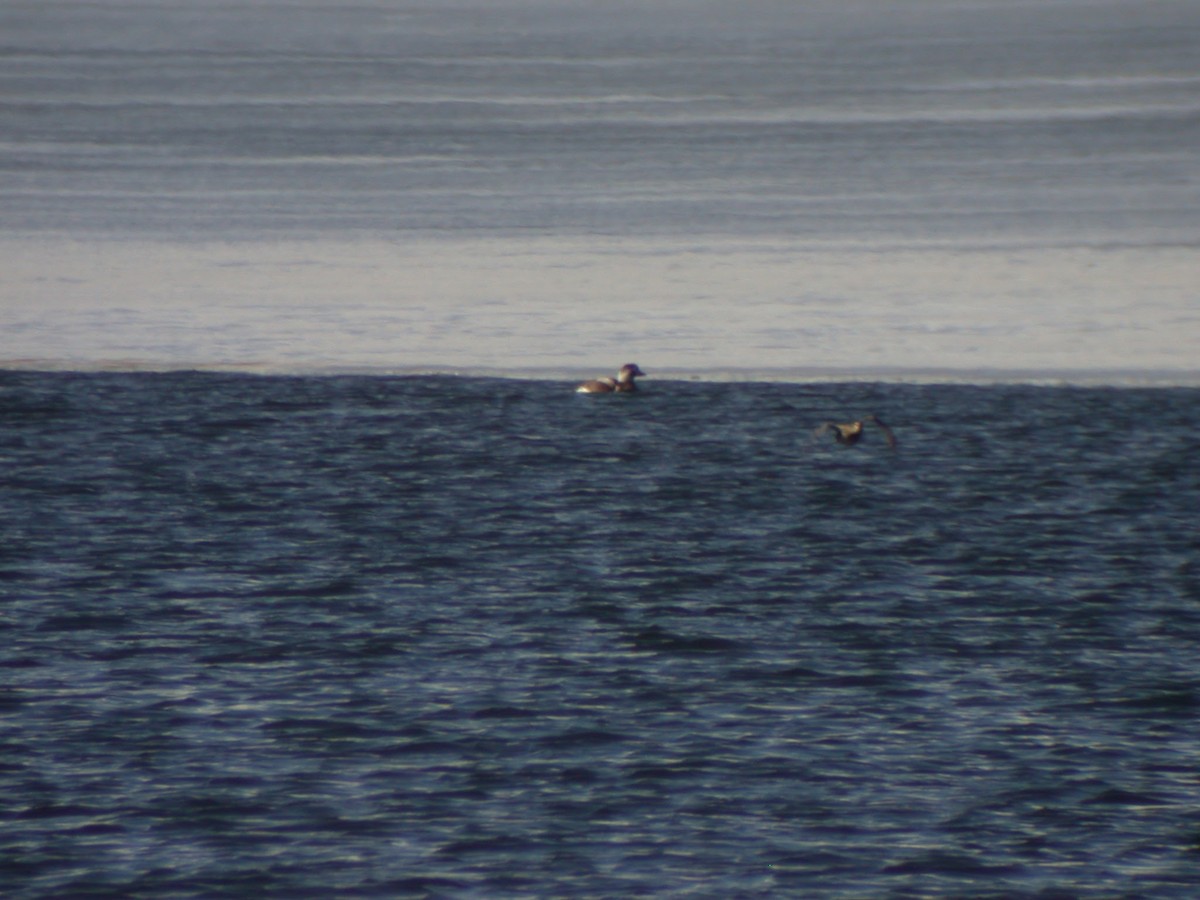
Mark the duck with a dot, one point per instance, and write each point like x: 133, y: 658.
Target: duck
x: 850, y: 433
x: 622, y: 384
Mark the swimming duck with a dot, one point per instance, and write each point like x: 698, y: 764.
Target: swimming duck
x: 850, y: 433
x: 622, y: 384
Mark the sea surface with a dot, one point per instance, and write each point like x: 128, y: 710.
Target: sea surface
x: 858, y: 119
x: 370, y: 636
x: 517, y: 185
x: 317, y: 578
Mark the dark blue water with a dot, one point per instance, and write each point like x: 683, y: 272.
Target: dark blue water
x: 439, y: 637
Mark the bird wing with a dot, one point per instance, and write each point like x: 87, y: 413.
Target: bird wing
x: 823, y: 429
x: 887, y: 433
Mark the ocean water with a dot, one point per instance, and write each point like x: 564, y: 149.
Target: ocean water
x: 317, y: 578
x: 854, y: 120
x: 369, y: 636
x: 527, y: 185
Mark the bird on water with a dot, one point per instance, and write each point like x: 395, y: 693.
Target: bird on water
x: 850, y: 433
x: 622, y: 384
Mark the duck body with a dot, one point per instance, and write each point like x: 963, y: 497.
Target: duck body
x: 850, y: 433
x: 623, y: 384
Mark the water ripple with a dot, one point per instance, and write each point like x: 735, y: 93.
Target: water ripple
x: 441, y: 637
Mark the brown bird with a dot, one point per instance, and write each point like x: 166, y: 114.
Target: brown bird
x: 622, y: 384
x: 850, y: 433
